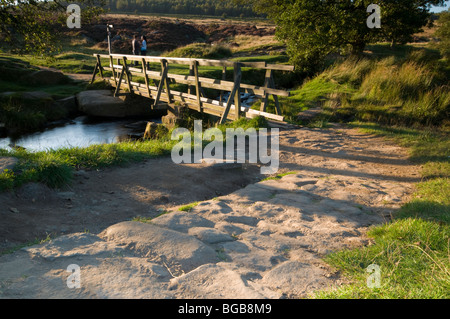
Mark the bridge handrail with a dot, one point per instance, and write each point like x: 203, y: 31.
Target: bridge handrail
x: 201, y: 62
x: 194, y: 100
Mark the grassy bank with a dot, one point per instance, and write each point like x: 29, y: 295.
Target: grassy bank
x: 402, y: 95
x: 413, y: 249
x: 407, y: 86
x: 55, y: 168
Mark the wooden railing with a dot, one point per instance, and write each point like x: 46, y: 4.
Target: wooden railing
x: 195, y: 98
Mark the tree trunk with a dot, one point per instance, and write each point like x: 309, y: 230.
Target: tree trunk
x: 358, y: 47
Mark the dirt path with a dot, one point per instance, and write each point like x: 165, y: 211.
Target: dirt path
x: 264, y: 240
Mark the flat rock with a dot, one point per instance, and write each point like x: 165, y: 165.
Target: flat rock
x: 73, y: 245
x: 102, y: 103
x: 217, y: 281
x: 182, y: 221
x: 179, y: 252
x: 296, y: 278
x: 209, y: 235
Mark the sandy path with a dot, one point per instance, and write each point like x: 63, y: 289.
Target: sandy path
x: 262, y: 241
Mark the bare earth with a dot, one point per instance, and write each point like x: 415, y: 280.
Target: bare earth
x: 246, y: 239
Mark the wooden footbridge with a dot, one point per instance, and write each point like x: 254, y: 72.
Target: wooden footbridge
x: 128, y: 66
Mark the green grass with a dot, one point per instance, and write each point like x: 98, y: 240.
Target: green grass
x: 278, y: 176
x: 188, y: 207
x: 201, y: 51
x: 29, y: 244
x: 402, y: 95
x: 412, y: 250
x: 413, y: 257
x: 405, y: 86
x: 55, y: 167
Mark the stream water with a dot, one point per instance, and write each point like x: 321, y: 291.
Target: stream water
x: 80, y: 132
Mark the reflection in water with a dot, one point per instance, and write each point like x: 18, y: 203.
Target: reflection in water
x: 81, y: 132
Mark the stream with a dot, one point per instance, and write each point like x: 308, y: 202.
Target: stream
x: 79, y: 132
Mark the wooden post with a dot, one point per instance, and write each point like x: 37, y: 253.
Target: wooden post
x: 166, y: 80
x: 111, y: 65
x: 162, y: 82
x: 224, y: 77
x: 277, y: 103
x: 237, y: 83
x: 119, y: 82
x: 95, y: 72
x: 191, y: 73
x: 270, y: 83
x: 127, y: 74
x: 237, y: 96
x: 144, y: 69
x: 98, y: 67
x: 266, y: 96
x: 197, y: 86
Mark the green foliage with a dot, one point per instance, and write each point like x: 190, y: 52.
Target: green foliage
x: 6, y: 180
x: 443, y: 32
x: 188, y: 207
x: 218, y: 8
x: 314, y: 29
x: 413, y: 257
x: 201, y: 50
x: 410, y: 88
x: 34, y: 26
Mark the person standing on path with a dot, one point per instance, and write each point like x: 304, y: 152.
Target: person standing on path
x: 143, y: 45
x: 136, y: 47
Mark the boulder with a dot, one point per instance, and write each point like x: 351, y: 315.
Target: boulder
x: 154, y: 130
x: 181, y: 221
x: 68, y: 104
x: 296, y: 278
x: 31, y: 95
x: 45, y: 77
x: 102, y: 103
x: 179, y: 252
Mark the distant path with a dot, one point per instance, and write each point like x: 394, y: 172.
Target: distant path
x: 266, y: 240
x: 73, y: 76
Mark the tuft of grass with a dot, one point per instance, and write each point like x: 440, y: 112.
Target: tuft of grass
x: 278, y: 176
x: 32, y: 243
x: 188, y: 207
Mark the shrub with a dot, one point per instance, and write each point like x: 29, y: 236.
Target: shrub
x: 201, y: 51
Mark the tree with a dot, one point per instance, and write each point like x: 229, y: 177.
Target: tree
x: 31, y: 26
x: 313, y: 29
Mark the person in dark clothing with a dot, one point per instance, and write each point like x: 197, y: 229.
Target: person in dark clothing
x: 136, y: 47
